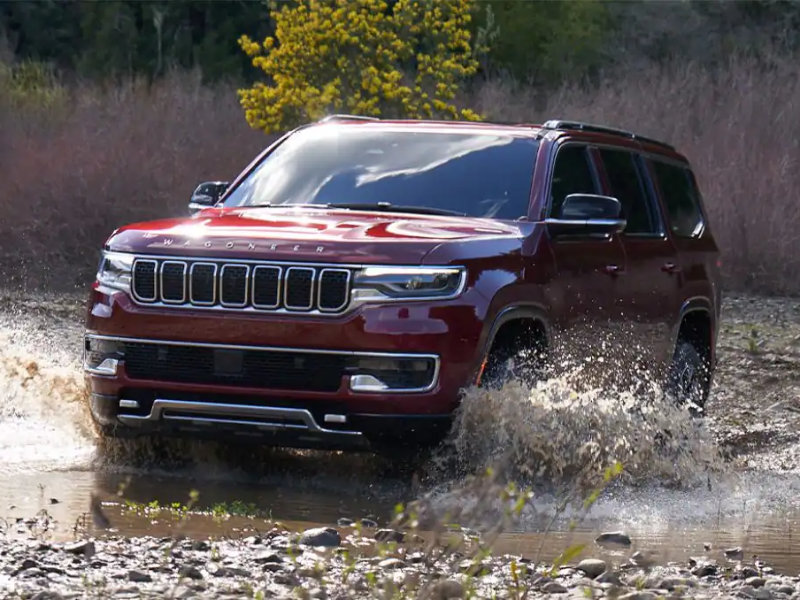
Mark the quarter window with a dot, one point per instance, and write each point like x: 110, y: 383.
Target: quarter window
x: 572, y: 174
x: 681, y: 197
x: 626, y: 186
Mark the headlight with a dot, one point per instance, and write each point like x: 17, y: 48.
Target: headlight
x: 115, y: 271
x: 407, y: 283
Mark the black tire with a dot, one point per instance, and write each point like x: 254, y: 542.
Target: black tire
x: 506, y: 364
x: 689, y: 377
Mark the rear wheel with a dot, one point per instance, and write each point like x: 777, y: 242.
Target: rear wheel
x: 689, y: 376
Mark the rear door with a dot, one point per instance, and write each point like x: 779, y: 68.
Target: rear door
x: 586, y: 287
x: 649, y: 287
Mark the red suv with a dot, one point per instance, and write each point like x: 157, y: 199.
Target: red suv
x: 360, y: 273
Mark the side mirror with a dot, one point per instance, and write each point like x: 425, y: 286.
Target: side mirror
x: 207, y: 194
x: 588, y: 214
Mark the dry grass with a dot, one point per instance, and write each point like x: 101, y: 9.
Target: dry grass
x: 738, y: 125
x: 136, y: 152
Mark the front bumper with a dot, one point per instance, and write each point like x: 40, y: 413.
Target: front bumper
x: 348, y: 416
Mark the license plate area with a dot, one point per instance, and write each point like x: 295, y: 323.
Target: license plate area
x: 228, y: 363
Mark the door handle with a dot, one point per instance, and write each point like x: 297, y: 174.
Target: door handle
x: 612, y: 270
x: 670, y: 267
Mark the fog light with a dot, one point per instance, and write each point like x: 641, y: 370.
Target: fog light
x: 367, y: 383
x: 101, y: 356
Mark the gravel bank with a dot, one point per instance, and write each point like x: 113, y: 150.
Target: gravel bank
x: 345, y: 562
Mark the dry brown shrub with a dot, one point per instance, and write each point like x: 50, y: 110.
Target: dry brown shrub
x: 135, y: 152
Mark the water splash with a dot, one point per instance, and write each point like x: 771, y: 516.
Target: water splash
x: 564, y: 432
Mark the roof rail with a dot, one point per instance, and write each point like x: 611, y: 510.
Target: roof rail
x: 344, y: 117
x: 579, y: 126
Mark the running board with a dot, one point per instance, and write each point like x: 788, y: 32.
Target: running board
x: 262, y: 417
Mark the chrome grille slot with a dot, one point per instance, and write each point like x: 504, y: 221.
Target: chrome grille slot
x: 173, y: 282
x: 144, y: 280
x: 299, y: 288
x: 203, y: 284
x: 259, y: 286
x: 333, y: 289
x: 233, y: 285
x: 266, y: 286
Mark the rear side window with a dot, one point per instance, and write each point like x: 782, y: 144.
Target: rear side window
x: 681, y: 197
x: 626, y: 186
x: 572, y: 174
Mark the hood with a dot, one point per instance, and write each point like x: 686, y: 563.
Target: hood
x: 306, y: 234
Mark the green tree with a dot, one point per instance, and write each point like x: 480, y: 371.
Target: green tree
x: 361, y: 56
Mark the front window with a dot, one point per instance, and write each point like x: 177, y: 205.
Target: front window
x: 477, y: 174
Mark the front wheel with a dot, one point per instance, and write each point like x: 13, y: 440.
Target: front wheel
x: 689, y: 377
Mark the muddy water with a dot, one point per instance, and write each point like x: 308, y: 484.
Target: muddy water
x: 50, y: 460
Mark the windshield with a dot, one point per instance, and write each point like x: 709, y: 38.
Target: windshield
x: 478, y: 174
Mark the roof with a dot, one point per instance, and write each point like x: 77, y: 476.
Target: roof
x: 592, y: 131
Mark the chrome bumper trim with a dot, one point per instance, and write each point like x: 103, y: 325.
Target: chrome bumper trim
x: 262, y: 417
x: 354, y: 353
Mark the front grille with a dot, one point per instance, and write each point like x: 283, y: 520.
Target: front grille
x: 246, y: 368
x: 232, y: 285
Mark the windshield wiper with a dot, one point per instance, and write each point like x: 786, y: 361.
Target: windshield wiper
x: 388, y: 207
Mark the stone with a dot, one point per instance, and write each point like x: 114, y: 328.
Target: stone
x: 734, y: 553
x: 554, y: 588
x: 704, y: 570
x: 201, y: 546
x: 613, y: 538
x: 608, y: 577
x: 392, y: 563
x: 593, y: 567
x: 190, y: 572
x: 389, y: 535
x: 755, y: 581
x: 85, y: 547
x: 345, y: 522
x: 643, y: 595
x: 449, y: 588
x: 673, y: 583
x: 231, y: 572
x: 368, y: 523
x: 139, y: 577
x: 321, y: 536
x: 267, y: 557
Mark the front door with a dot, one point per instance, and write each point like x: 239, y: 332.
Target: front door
x: 584, y: 295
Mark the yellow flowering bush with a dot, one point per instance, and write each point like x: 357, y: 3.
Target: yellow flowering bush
x: 361, y: 57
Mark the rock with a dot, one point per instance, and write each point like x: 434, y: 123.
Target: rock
x: 28, y: 563
x: 554, y: 588
x: 613, y: 538
x: 644, y: 595
x: 321, y: 536
x: 673, y: 583
x: 47, y: 595
x: 190, y: 572
x: 85, y: 547
x: 755, y: 581
x: 201, y: 546
x: 704, y: 570
x: 608, y: 577
x: 392, y: 563
x: 139, y: 577
x: 267, y: 557
x: 643, y: 559
x: 273, y: 567
x: 745, y: 572
x: 783, y: 588
x: 231, y: 572
x: 734, y: 553
x: 368, y: 523
x: 748, y: 591
x: 593, y: 567
x: 345, y: 522
x: 446, y: 589
x: 389, y: 535
x: 55, y: 501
